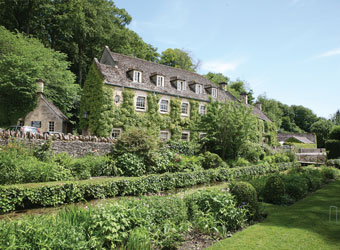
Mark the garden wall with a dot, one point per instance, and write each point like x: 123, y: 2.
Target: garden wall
x: 73, y: 145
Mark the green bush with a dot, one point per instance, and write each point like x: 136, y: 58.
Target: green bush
x: 241, y: 162
x: 217, y: 209
x: 137, y: 141
x: 334, y: 134
x: 188, y: 148
x: 53, y: 194
x: 131, y: 164
x: 333, y: 148
x: 211, y: 160
x: 329, y: 173
x: 246, y: 196
x: 252, y: 152
x: 274, y: 190
x: 296, y: 186
x: 334, y: 163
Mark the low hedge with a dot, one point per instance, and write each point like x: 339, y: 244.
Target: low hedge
x: 14, y: 197
x: 333, y: 149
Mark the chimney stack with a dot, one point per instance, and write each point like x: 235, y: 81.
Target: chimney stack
x: 258, y: 105
x: 244, y: 97
x: 40, y: 86
x: 223, y: 85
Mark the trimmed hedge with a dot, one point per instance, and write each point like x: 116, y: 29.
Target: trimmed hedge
x: 53, y: 194
x: 333, y: 149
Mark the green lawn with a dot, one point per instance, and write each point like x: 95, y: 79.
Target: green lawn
x: 303, y: 225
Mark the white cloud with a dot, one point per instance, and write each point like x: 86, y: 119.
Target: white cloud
x: 219, y: 66
x: 333, y: 52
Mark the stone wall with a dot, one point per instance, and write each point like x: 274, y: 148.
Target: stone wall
x: 73, y: 145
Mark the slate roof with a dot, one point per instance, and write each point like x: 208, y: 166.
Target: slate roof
x: 54, y: 108
x: 115, y: 67
x: 303, y: 139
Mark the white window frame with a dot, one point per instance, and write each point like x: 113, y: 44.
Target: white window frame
x: 115, y: 130
x: 181, y: 85
x: 214, y: 92
x: 188, y: 109
x: 137, y: 76
x: 160, y: 81
x: 198, y: 88
x: 200, y: 109
x: 143, y: 106
x: 51, y: 126
x: 161, y: 110
x: 185, y: 133
x: 164, y: 132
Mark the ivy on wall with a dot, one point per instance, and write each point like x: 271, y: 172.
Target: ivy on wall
x: 103, y: 115
x: 97, y: 109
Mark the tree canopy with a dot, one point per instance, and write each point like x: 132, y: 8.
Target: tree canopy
x: 228, y: 127
x: 23, y: 60
x: 179, y: 59
x: 78, y: 28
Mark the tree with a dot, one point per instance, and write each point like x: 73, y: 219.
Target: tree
x: 79, y: 28
x: 216, y: 78
x: 228, y: 127
x: 304, y: 117
x: 272, y: 109
x: 179, y: 59
x: 23, y: 60
x: 238, y: 87
x: 336, y: 118
x: 321, y: 128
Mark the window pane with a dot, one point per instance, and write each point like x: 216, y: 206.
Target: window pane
x: 140, y: 104
x: 164, y: 105
x: 51, y: 126
x: 184, y: 108
x: 115, y: 133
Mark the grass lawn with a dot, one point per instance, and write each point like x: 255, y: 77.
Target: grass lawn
x: 304, y: 225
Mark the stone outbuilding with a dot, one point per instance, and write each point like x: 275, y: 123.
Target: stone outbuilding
x: 46, y: 116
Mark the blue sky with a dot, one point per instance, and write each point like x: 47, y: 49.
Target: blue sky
x: 286, y: 49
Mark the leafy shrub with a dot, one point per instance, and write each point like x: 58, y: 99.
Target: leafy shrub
x: 274, y: 189
x: 334, y: 162
x: 333, y: 148
x: 189, y: 163
x: 252, y: 152
x: 246, y: 196
x: 135, y: 140
x: 211, y: 160
x: 241, y: 162
x: 139, y: 238
x: 188, y: 148
x: 329, y: 173
x: 278, y: 157
x: 131, y: 164
x: 43, y: 152
x: 334, y: 134
x: 219, y: 208
x: 296, y: 186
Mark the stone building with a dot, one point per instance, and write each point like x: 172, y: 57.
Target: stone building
x: 46, y: 116
x: 143, y: 77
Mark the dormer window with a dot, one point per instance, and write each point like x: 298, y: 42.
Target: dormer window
x: 137, y: 76
x: 160, y: 81
x: 198, y: 88
x: 214, y: 92
x: 181, y: 85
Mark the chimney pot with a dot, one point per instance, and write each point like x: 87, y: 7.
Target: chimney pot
x: 40, y: 86
x: 223, y: 85
x: 258, y: 105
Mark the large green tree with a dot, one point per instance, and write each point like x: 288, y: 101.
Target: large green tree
x: 179, y: 59
x: 23, y: 60
x: 217, y: 78
x: 79, y: 28
x: 336, y: 118
x: 322, y: 129
x: 228, y: 127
